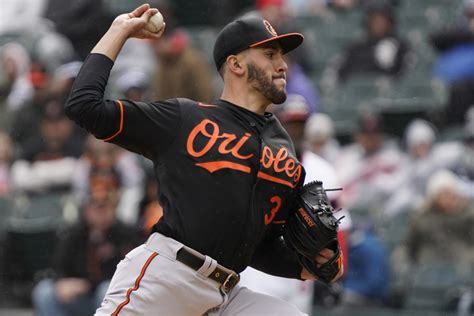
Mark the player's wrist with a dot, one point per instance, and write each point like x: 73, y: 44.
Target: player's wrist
x: 111, y: 43
x: 306, y: 275
x: 118, y: 31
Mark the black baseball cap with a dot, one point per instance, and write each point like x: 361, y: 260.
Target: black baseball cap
x: 249, y: 32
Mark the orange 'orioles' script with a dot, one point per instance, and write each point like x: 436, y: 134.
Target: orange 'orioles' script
x: 230, y: 144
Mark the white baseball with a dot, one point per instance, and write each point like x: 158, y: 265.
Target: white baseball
x: 155, y: 24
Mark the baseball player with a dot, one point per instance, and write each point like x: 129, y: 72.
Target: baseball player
x: 227, y: 172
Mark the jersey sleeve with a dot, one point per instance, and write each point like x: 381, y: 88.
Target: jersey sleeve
x: 144, y: 128
x: 275, y: 258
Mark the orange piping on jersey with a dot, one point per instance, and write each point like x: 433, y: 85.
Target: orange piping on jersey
x: 137, y: 284
x: 121, y: 123
x: 265, y: 176
x: 279, y: 222
x: 207, y: 105
x: 217, y: 165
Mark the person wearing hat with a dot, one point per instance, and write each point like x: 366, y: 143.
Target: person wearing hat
x: 439, y: 235
x: 226, y: 171
x: 454, y: 46
x: 370, y: 164
x: 381, y: 51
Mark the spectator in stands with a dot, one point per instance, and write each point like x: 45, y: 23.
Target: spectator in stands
x: 82, y: 22
x: 134, y: 85
x: 421, y: 161
x: 87, y: 254
x: 371, y: 164
x: 100, y: 154
x: 28, y: 11
x: 367, y: 279
x: 382, y: 51
x: 6, y: 160
x: 463, y: 164
x: 319, y: 137
x: 442, y: 230
x: 48, y: 88
x: 274, y: 11
x: 455, y: 65
x: 17, y: 90
x: 48, y: 160
x: 293, y: 114
x: 190, y: 13
x: 63, y: 78
x: 320, y: 7
x: 183, y: 71
x: 298, y: 82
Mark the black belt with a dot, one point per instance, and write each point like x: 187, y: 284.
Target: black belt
x: 227, y: 278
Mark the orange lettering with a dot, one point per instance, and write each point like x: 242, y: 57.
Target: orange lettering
x: 297, y: 174
x: 267, y: 157
x: 281, y: 155
x: 235, y: 149
x: 201, y: 129
x: 280, y: 163
x: 306, y: 217
x: 277, y: 200
x: 213, y: 135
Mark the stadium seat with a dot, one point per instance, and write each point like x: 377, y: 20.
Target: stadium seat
x: 5, y: 208
x: 393, y: 230
x: 375, y: 311
x: 30, y: 239
x: 432, y: 287
x: 42, y: 212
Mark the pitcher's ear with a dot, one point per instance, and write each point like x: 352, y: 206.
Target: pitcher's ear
x: 235, y: 64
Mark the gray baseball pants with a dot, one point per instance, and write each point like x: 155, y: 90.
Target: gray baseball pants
x: 150, y: 281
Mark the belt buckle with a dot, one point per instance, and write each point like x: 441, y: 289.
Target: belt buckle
x: 229, y: 283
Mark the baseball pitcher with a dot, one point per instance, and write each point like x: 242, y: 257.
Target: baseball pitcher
x: 230, y: 183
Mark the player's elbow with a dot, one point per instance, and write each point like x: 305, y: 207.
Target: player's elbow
x: 81, y: 105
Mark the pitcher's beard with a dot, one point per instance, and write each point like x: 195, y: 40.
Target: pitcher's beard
x: 260, y: 82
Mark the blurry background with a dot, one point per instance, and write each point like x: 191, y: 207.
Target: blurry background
x: 381, y: 96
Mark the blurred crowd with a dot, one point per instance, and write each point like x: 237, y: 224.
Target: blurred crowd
x: 72, y: 206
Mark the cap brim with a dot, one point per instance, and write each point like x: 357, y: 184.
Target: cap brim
x: 288, y: 41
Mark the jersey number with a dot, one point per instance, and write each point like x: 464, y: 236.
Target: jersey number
x: 277, y: 201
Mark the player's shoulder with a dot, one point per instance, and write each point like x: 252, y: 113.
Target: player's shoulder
x: 192, y: 106
x: 186, y: 102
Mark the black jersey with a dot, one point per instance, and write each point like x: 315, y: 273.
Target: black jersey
x: 226, y: 175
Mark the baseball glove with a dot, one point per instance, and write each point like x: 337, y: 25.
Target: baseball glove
x: 313, y: 227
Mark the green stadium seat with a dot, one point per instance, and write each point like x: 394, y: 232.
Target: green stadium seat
x: 393, y: 230
x: 375, y: 311
x: 432, y: 286
x: 5, y: 209
x: 42, y: 212
x: 30, y: 239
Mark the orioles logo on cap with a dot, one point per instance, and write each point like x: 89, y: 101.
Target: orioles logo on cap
x: 269, y: 28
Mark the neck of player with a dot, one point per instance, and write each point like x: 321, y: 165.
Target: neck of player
x: 245, y: 96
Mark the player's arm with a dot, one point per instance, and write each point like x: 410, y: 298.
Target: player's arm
x: 275, y: 258
x: 140, y: 127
